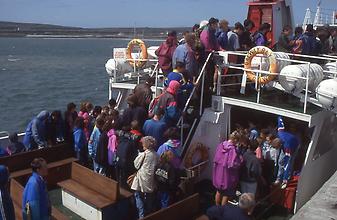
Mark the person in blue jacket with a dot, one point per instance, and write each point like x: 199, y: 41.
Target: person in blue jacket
x: 288, y: 144
x: 35, y: 202
x: 186, y: 86
x: 93, y: 141
x: 35, y: 136
x: 6, y: 203
x: 80, y: 141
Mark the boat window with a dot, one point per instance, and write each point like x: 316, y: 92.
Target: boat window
x: 327, y: 138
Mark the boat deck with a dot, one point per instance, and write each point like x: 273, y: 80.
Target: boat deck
x: 323, y: 205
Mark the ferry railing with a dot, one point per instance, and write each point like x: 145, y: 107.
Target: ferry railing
x: 259, y: 72
x: 199, y: 82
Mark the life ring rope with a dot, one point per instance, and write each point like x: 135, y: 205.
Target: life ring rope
x: 139, y: 63
x: 272, y: 62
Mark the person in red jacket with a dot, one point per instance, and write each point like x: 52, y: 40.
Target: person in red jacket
x: 165, y: 52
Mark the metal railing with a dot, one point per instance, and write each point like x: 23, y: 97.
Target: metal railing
x: 259, y: 72
x: 199, y: 82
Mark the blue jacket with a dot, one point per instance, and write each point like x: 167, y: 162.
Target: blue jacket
x: 36, y: 195
x: 289, y: 141
x: 93, y: 142
x: 310, y: 45
x: 79, y: 139
x: 155, y: 129
x: 6, y: 203
x: 36, y: 131
x: 179, y: 78
x: 185, y: 54
x: 222, y: 39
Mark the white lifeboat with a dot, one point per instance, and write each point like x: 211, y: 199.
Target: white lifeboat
x: 290, y: 81
x: 326, y: 93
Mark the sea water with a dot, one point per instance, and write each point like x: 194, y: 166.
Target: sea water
x: 38, y: 74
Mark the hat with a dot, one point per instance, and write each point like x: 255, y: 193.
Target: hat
x: 203, y: 23
x: 213, y: 20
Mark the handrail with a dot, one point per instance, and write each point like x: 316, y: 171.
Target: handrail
x: 181, y: 119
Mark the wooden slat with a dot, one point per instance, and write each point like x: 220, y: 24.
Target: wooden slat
x: 17, y: 211
x: 22, y: 161
x: 102, y: 185
x: 85, y: 194
x: 16, y: 191
x: 50, y: 165
x: 184, y: 210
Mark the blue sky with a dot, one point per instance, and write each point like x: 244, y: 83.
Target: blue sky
x: 126, y: 13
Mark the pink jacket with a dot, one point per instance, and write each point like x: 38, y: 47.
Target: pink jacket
x: 226, y: 166
x: 112, y: 143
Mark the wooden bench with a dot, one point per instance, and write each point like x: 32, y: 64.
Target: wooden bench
x: 16, y: 190
x: 57, y: 171
x: 22, y: 161
x: 91, y: 195
x: 186, y: 209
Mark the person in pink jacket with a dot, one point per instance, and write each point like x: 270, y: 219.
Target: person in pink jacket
x: 226, y: 166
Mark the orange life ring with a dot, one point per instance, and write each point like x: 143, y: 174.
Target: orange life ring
x: 272, y: 64
x: 197, y: 148
x: 144, y: 55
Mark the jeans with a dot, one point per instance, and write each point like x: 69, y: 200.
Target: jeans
x: 164, y: 199
x: 144, y: 203
x: 285, y: 164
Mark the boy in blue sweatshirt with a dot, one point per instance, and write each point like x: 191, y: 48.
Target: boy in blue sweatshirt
x: 80, y: 141
x: 288, y: 143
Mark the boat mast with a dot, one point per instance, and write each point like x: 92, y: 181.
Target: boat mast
x: 307, y: 19
x: 318, y: 17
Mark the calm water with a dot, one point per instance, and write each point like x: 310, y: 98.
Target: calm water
x: 38, y: 74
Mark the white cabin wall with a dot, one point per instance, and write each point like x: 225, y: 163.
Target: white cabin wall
x: 317, y: 171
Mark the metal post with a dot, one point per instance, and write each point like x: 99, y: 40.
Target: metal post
x: 202, y: 83
x: 115, y: 71
x: 182, y: 131
x: 306, y: 90
x: 110, y: 88
x: 258, y: 85
x: 218, y: 87
x: 156, y: 84
x: 202, y: 94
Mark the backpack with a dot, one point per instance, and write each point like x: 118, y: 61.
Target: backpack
x: 126, y: 152
x: 154, y: 105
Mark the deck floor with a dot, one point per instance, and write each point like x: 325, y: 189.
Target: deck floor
x: 323, y: 205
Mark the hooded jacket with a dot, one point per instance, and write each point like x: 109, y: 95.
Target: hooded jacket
x: 167, y: 101
x: 93, y: 142
x: 36, y: 196
x: 15, y: 146
x: 80, y: 140
x: 175, y: 147
x: 209, y: 40
x: 36, y: 131
x: 165, y: 54
x: 112, y: 146
x: 226, y: 166
x: 102, y: 150
x: 6, y: 203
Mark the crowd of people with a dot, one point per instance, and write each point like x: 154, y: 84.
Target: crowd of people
x: 214, y: 35
x: 141, y: 148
